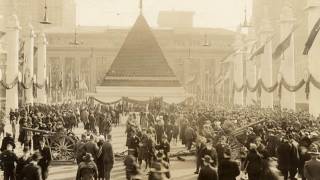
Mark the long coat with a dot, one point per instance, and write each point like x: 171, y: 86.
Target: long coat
x: 31, y: 172
x: 228, y: 170
x: 45, y: 161
x: 87, y: 171
x: 108, y: 157
x: 207, y: 172
x: 312, y: 169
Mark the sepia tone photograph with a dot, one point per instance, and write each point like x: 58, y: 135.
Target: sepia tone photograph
x: 159, y: 90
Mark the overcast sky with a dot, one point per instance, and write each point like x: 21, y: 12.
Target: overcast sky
x: 208, y: 13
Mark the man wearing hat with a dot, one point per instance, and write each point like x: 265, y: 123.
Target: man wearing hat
x: 312, y: 167
x: 32, y: 171
x: 79, y: 148
x: 24, y: 160
x: 108, y: 158
x: 87, y: 169
x: 45, y: 161
x: 7, y: 140
x: 130, y: 164
x: 8, y: 159
x: 207, y: 171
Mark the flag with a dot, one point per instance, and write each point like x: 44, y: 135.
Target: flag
x: 312, y: 37
x: 21, y: 52
x: 282, y: 47
x: 257, y: 52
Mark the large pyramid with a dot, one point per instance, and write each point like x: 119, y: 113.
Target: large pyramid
x: 140, y: 61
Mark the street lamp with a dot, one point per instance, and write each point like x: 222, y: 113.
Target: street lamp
x: 45, y: 18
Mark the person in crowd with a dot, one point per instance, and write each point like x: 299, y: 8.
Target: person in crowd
x: 7, y: 140
x: 99, y: 161
x: 130, y: 164
x: 253, y: 163
x: 32, y: 171
x: 160, y: 159
x: 45, y: 160
x: 210, y: 151
x: 91, y: 147
x: 200, y: 146
x: 207, y: 171
x: 24, y: 160
x: 87, y: 170
x: 79, y: 148
x: 189, y: 136
x: 288, y: 158
x: 158, y: 172
x: 165, y: 147
x: 8, y: 159
x: 312, y: 167
x: 108, y: 158
x: 227, y: 168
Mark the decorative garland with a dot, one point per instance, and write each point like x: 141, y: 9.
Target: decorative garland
x: 105, y: 103
x: 255, y: 88
x: 269, y: 89
x: 238, y: 89
x: 283, y: 83
x: 27, y: 86
x: 291, y: 88
x: 10, y: 85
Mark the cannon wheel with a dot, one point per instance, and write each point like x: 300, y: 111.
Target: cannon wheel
x: 62, y: 148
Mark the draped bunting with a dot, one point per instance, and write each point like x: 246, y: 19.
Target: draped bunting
x: 283, y: 83
x: 255, y: 88
x: 239, y: 89
x: 291, y: 88
x: 104, y: 103
x: 269, y: 89
x: 314, y: 82
x: 10, y: 85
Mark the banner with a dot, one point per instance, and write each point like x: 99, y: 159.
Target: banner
x: 284, y: 45
x: 257, y: 53
x: 312, y: 37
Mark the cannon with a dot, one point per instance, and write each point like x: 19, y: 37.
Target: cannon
x: 61, y: 144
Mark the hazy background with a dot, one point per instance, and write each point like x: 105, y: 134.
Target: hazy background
x: 208, y: 13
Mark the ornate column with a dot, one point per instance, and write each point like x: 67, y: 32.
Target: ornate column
x: 42, y: 68
x: 266, y: 63
x: 28, y: 74
x: 287, y: 67
x: 238, y: 69
x: 12, y: 36
x: 313, y: 58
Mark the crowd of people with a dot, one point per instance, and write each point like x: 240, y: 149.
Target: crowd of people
x: 228, y: 142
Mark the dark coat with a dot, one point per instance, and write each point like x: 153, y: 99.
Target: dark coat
x: 31, y: 172
x: 107, y: 154
x: 87, y: 171
x: 92, y: 148
x: 8, y: 158
x: 207, y: 172
x: 288, y: 156
x: 253, y: 162
x: 228, y: 170
x: 7, y: 140
x: 45, y: 161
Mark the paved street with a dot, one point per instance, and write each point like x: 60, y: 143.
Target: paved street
x: 182, y: 170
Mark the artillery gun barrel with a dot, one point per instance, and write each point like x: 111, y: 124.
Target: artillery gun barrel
x: 241, y: 130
